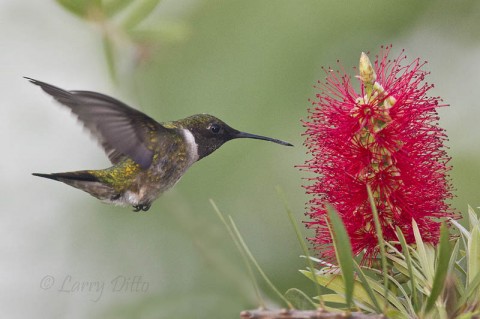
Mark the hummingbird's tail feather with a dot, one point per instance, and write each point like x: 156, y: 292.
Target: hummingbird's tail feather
x: 85, y: 181
x: 78, y: 176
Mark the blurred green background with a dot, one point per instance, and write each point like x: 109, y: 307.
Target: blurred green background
x: 251, y: 63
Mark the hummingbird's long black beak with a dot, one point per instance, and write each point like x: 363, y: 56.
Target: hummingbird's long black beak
x: 259, y: 137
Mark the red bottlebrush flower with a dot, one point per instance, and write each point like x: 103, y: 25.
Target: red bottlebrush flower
x: 387, y: 136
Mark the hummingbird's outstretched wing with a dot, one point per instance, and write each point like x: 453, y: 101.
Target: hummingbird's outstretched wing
x: 121, y: 130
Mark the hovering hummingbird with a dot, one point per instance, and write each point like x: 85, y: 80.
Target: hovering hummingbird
x: 148, y: 157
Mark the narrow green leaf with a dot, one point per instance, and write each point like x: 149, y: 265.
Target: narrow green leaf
x: 300, y: 300
x: 242, y: 253
x: 300, y: 239
x: 441, y: 312
x: 381, y: 241
x: 454, y: 256
x: 462, y: 273
x: 470, y: 292
x: 473, y: 218
x: 361, y: 297
x: 424, y: 257
x: 167, y: 31
x: 81, y: 8
x: 465, y: 233
x: 78, y: 8
x: 343, y: 252
x: 473, y: 255
x: 336, y: 283
x: 330, y: 309
x: 113, y: 7
x: 108, y: 48
x: 468, y: 315
x: 256, y: 264
x: 367, y: 287
x: 314, y: 259
x: 408, y: 261
x: 392, y: 313
x: 339, y: 299
x: 441, y: 271
x: 402, y: 267
x: 336, y: 298
x: 393, y: 296
x: 140, y: 13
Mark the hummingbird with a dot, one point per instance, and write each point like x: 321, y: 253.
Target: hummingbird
x: 148, y: 157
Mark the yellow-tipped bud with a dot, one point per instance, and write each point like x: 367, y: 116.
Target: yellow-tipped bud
x: 367, y: 74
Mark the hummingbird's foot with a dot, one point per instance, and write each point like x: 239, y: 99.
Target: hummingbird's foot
x: 141, y: 207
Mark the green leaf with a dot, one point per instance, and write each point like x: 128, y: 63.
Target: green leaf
x: 340, y: 300
x: 336, y: 298
x: 113, y: 7
x: 362, y: 299
x: 108, y: 48
x: 300, y: 239
x: 470, y: 292
x: 247, y: 251
x: 75, y: 7
x: 167, y: 31
x: 381, y: 241
x: 465, y: 233
x: 473, y: 254
x: 393, y: 297
x: 441, y: 271
x: 336, y: 283
x: 425, y: 257
x: 408, y: 262
x: 392, y: 313
x: 469, y: 315
x: 402, y: 267
x: 473, y: 218
x: 300, y: 300
x: 343, y: 252
x: 367, y: 287
x: 242, y: 253
x: 140, y: 13
x: 79, y: 7
x: 452, y: 267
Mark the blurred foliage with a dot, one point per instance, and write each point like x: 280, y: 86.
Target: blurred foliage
x: 253, y: 64
x: 121, y: 24
x: 423, y: 281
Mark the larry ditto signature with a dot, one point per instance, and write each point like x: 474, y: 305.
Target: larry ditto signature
x: 94, y: 289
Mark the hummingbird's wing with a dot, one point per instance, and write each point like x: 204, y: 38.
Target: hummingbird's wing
x: 121, y: 130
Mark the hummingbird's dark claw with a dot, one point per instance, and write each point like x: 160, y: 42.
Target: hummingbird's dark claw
x: 141, y: 207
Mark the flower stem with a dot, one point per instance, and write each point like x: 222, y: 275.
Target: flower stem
x: 302, y: 243
x: 381, y: 244
x: 242, y: 252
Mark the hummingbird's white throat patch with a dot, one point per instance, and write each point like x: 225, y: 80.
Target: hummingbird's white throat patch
x: 191, y: 145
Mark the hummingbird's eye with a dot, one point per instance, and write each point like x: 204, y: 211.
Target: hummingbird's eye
x: 215, y: 128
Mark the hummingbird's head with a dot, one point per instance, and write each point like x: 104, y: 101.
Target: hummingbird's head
x: 210, y: 133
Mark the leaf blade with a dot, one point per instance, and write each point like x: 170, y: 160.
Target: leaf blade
x: 442, y: 266
x: 343, y: 252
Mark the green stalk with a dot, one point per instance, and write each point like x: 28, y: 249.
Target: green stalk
x: 381, y: 243
x: 301, y: 240
x: 242, y: 253
x: 254, y: 261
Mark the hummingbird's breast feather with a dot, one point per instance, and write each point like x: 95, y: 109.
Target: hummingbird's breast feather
x: 172, y: 157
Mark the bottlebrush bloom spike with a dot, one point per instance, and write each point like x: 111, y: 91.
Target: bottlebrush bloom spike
x: 387, y: 135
